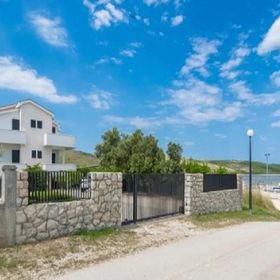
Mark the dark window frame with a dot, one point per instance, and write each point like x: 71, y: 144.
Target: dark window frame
x: 15, y: 124
x: 39, y: 154
x: 15, y: 156
x: 33, y: 154
x: 33, y: 123
x: 40, y: 124
x: 53, y: 130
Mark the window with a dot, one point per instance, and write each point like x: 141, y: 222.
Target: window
x: 15, y: 156
x: 39, y: 124
x: 39, y: 154
x: 53, y: 158
x: 33, y: 154
x: 53, y: 129
x: 33, y: 123
x: 15, y: 124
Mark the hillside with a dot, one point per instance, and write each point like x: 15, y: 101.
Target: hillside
x: 242, y: 166
x: 81, y: 159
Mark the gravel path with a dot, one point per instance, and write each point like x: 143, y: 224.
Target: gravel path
x: 246, y: 251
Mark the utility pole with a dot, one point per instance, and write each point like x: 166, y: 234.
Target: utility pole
x: 266, y: 177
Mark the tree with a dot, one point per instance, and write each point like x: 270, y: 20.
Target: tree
x: 174, y: 162
x: 192, y: 166
x: 134, y: 153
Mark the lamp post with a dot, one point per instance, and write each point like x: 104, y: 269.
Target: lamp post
x: 267, y: 155
x: 250, y: 134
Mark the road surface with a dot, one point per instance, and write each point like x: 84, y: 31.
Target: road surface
x: 247, y: 251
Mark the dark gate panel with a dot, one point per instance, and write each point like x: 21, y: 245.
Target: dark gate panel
x: 152, y: 195
x: 218, y: 182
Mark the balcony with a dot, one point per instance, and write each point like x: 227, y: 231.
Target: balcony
x: 59, y: 141
x: 12, y: 137
x: 59, y: 167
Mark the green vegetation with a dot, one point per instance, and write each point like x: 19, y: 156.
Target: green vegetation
x: 81, y: 159
x: 93, y: 235
x: 33, y: 168
x: 240, y: 166
x: 53, y: 195
x: 263, y: 210
x: 192, y: 166
x: 137, y: 153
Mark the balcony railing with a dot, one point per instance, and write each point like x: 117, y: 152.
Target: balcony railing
x: 12, y: 137
x: 59, y: 140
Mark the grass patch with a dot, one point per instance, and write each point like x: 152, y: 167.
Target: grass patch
x: 93, y: 235
x: 263, y: 210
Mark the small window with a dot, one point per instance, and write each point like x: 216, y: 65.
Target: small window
x: 39, y: 124
x: 39, y: 154
x: 15, y: 124
x: 33, y: 154
x: 33, y: 123
x: 53, y: 129
x: 15, y: 156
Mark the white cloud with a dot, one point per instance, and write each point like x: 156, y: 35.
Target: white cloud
x: 131, y: 50
x: 164, y: 17
x: 106, y: 60
x: 155, y: 2
x: 220, y: 135
x: 202, y: 49
x: 271, y: 41
x: 103, y: 13
x: 228, y: 69
x: 50, y: 30
x: 189, y: 143
x: 276, y: 113
x: 136, y: 122
x: 275, y: 78
x: 177, y: 20
x: 128, y: 52
x: 245, y: 94
x: 20, y: 78
x: 275, y: 124
x: 100, y: 99
x: 146, y: 21
x: 199, y: 102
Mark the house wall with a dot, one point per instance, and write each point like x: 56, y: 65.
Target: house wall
x: 199, y: 202
x: 6, y: 119
x: 35, y: 136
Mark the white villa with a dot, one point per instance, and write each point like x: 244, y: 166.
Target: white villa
x: 30, y: 135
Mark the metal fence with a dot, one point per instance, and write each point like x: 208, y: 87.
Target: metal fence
x: 151, y: 195
x: 44, y: 186
x: 218, y: 182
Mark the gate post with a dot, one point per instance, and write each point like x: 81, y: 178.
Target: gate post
x: 134, y: 199
x: 8, y: 206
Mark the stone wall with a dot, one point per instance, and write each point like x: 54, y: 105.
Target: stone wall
x: 41, y: 221
x: 199, y: 202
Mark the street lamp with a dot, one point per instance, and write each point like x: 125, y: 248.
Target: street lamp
x: 250, y: 134
x: 267, y: 155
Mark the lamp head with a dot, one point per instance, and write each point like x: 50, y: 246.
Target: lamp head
x: 250, y: 132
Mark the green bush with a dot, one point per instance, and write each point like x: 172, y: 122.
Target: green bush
x: 192, y: 166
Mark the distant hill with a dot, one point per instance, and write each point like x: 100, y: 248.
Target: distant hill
x: 242, y: 166
x: 81, y: 159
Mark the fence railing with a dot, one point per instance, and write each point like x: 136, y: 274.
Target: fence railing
x: 52, y: 186
x: 219, y: 182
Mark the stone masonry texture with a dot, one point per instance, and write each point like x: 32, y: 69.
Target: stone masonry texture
x: 36, y: 222
x: 199, y: 202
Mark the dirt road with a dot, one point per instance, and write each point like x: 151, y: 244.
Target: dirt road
x: 246, y: 251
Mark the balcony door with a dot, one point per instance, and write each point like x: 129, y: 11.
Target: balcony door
x: 53, y: 158
x: 15, y: 156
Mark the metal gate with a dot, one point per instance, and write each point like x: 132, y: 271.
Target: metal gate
x: 146, y: 196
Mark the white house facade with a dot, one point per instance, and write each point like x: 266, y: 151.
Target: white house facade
x: 30, y: 135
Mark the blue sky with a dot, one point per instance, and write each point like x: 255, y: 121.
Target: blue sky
x: 196, y: 72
